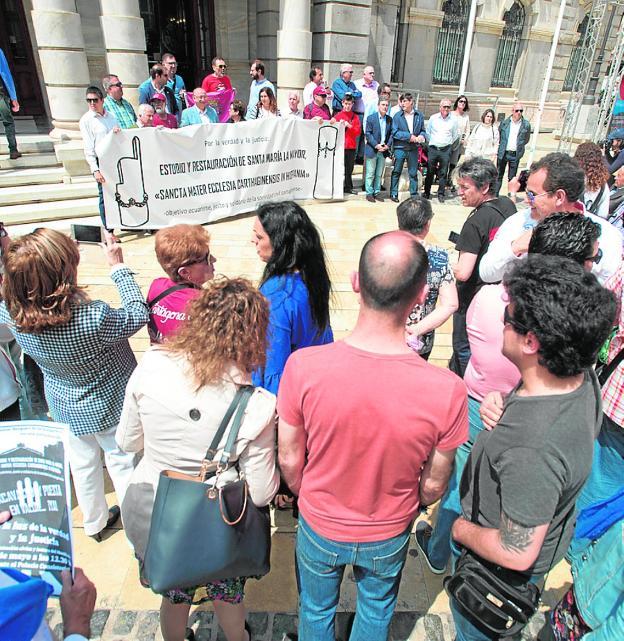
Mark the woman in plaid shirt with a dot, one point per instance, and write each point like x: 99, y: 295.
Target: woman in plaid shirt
x: 82, y: 348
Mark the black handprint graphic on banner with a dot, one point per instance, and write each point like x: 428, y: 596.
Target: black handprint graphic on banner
x: 130, y: 191
x: 326, y: 153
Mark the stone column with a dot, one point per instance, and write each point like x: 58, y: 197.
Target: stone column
x: 267, y: 25
x: 124, y: 39
x: 58, y: 31
x: 294, y: 48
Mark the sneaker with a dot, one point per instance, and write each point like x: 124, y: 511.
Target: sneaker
x: 423, y: 535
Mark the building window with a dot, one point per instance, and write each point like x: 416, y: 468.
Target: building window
x: 575, y: 57
x: 451, y: 41
x: 509, y: 47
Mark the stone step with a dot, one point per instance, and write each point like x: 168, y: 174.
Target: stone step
x: 29, y: 144
x: 23, y: 125
x: 34, y: 176
x: 40, y: 212
x: 29, y: 160
x: 47, y: 193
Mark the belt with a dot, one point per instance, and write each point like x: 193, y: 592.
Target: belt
x: 440, y: 148
x: 511, y: 153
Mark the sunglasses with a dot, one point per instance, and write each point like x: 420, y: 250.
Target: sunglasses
x: 90, y: 100
x: 446, y: 106
x: 461, y: 101
x: 531, y: 195
x: 116, y: 84
x: 222, y: 66
x: 508, y: 319
x: 207, y: 259
x: 595, y: 259
x: 518, y: 111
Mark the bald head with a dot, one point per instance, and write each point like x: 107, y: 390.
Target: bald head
x: 392, y: 271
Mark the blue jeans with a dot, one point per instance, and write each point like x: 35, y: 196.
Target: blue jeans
x: 605, y: 478
x: 461, y: 345
x: 449, y: 510
x: 374, y: 171
x: 400, y: 156
x: 377, y: 567
x: 101, y: 205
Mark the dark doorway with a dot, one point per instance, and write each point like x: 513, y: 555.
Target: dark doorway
x: 185, y: 28
x: 15, y: 42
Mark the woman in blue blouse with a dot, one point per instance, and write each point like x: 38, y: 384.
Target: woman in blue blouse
x: 296, y: 283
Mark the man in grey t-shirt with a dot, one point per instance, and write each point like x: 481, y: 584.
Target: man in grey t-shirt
x: 533, y: 465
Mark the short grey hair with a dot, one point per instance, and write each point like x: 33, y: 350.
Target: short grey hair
x: 143, y: 108
x: 108, y: 80
x: 481, y: 171
x: 347, y: 66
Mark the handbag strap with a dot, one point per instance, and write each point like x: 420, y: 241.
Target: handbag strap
x: 607, y: 370
x: 238, y: 405
x: 151, y: 323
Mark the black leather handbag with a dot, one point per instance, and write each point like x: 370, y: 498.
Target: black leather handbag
x: 201, y: 533
x: 496, y: 600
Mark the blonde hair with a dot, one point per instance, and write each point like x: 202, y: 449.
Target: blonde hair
x: 227, y: 326
x: 40, y: 280
x: 181, y: 245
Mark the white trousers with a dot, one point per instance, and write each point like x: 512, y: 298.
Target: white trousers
x: 85, y: 462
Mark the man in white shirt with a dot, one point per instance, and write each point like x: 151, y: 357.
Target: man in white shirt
x: 316, y: 80
x: 369, y: 88
x: 555, y: 183
x: 442, y: 132
x: 258, y: 82
x: 94, y: 126
x: 294, y: 110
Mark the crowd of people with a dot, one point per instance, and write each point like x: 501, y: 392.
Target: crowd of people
x: 515, y: 439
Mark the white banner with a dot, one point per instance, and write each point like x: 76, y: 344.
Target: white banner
x: 198, y: 174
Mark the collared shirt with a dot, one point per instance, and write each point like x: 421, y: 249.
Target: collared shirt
x: 307, y: 93
x: 613, y: 390
x: 514, y: 130
x: 176, y: 84
x: 94, y: 128
x: 394, y: 110
x: 382, y: 127
x: 7, y: 78
x: 369, y: 95
x: 410, y: 121
x: 122, y: 110
x: 340, y: 88
x: 442, y: 132
x: 254, y: 96
x: 295, y: 114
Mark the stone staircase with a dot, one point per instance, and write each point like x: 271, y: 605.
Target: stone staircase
x: 36, y: 187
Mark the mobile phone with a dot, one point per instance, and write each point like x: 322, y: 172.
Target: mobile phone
x: 454, y: 237
x: 90, y: 234
x: 522, y: 179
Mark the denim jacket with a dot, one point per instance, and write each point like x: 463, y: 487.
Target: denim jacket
x: 599, y: 585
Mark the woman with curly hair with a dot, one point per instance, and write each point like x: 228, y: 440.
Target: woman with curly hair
x: 296, y: 283
x: 175, y: 401
x: 592, y: 162
x: 81, y: 346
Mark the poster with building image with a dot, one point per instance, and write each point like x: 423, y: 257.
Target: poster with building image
x: 34, y: 487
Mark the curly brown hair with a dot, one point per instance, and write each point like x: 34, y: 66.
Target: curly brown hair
x: 227, y: 326
x: 40, y: 280
x: 592, y: 162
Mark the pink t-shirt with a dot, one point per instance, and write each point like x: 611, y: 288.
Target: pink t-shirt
x: 169, y: 311
x: 371, y: 422
x: 488, y: 370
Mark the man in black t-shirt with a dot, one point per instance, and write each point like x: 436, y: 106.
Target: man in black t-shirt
x: 476, y: 180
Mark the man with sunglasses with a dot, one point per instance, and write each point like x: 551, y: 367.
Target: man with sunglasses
x: 217, y: 80
x: 94, y: 126
x: 116, y: 104
x: 442, y: 132
x: 514, y: 135
x: 532, y: 467
x: 555, y: 183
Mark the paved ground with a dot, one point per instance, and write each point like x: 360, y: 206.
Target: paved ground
x: 127, y: 611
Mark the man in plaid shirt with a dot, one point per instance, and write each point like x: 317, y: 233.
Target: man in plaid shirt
x: 116, y: 103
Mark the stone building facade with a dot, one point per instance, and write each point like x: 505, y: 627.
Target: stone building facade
x: 58, y: 47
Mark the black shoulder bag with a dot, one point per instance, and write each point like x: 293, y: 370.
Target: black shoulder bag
x: 152, y: 329
x: 200, y: 532
x: 497, y: 600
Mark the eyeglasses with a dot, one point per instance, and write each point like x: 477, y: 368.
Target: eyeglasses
x: 518, y: 111
x: 595, y: 259
x: 207, y: 259
x: 446, y: 106
x: 508, y: 319
x: 116, y: 84
x: 222, y: 66
x: 531, y: 195
x: 90, y: 100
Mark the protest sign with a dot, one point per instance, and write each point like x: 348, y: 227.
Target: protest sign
x: 34, y: 487
x: 202, y: 173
